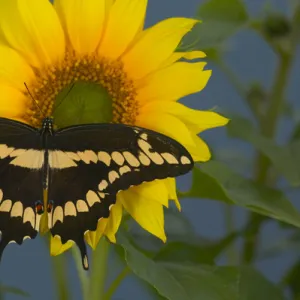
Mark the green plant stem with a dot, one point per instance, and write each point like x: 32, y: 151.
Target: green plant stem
x: 268, y: 127
x: 98, y: 272
x: 115, y: 284
x: 230, y: 227
x: 60, y: 277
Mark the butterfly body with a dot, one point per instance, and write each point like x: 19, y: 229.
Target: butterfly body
x: 80, y: 169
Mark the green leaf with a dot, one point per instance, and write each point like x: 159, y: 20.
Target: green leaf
x: 177, y: 228
x: 194, y: 250
x: 178, y: 281
x: 214, y: 180
x: 220, y: 19
x: 291, y: 280
x: 4, y: 289
x: 296, y: 133
x: 281, y: 246
x: 286, y: 160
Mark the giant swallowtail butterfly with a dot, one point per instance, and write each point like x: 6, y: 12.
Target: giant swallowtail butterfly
x: 82, y: 168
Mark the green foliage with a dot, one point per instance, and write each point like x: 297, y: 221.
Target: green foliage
x: 221, y: 183
x: 5, y: 289
x: 220, y: 20
x: 285, y: 159
x: 177, y: 280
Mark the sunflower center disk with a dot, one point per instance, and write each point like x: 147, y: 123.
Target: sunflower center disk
x: 82, y: 90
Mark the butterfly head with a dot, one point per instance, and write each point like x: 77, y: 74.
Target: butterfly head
x: 47, y: 125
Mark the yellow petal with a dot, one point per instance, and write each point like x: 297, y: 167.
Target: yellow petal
x: 32, y: 28
x: 124, y: 22
x: 174, y: 82
x: 153, y: 191
x: 187, y: 55
x: 201, y: 151
x: 109, y: 4
x: 56, y: 247
x: 155, y: 46
x: 12, y: 104
x: 93, y: 237
x: 83, y: 22
x: 170, y: 184
x: 14, y: 70
x: 196, y: 120
x: 149, y: 214
x: 114, y: 221
x: 168, y: 125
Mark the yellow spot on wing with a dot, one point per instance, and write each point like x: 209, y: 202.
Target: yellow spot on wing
x: 82, y: 206
x: 171, y: 159
x: 144, y: 136
x: 73, y: 156
x: 31, y: 159
x: 185, y: 160
x: 60, y: 160
x: 118, y: 158
x: 17, y: 209
x: 104, y: 157
x: 37, y: 221
x: 17, y: 152
x: 103, y: 185
x: 124, y: 170
x: 92, y: 198
x: 87, y: 156
x: 145, y: 160
x: 85, y: 262
x: 5, y: 150
x: 6, y: 205
x: 58, y: 215
x: 70, y: 209
x: 101, y: 195
x: 112, y: 176
x: 154, y: 156
x: 131, y: 159
x: 29, y: 216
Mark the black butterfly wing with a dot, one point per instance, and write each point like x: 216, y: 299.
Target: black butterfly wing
x: 90, y: 164
x: 21, y: 161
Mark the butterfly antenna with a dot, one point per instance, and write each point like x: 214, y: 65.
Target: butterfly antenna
x: 69, y: 91
x: 36, y: 103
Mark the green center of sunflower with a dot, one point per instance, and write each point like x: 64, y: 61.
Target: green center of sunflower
x: 82, y: 90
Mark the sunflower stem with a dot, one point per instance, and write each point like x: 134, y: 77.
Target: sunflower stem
x: 268, y: 127
x: 82, y: 274
x: 98, y: 273
x: 61, y: 277
x: 115, y: 284
x: 231, y: 252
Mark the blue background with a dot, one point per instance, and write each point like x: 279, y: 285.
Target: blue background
x: 29, y: 267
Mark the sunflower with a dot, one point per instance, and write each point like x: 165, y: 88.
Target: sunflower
x: 119, y: 73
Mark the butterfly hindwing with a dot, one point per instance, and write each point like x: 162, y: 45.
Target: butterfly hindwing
x: 90, y: 164
x: 81, y: 168
x: 21, y: 161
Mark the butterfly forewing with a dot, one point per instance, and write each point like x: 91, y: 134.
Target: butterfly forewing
x: 21, y: 162
x: 82, y: 169
x: 90, y: 164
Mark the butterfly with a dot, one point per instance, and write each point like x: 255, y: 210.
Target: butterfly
x: 81, y: 168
